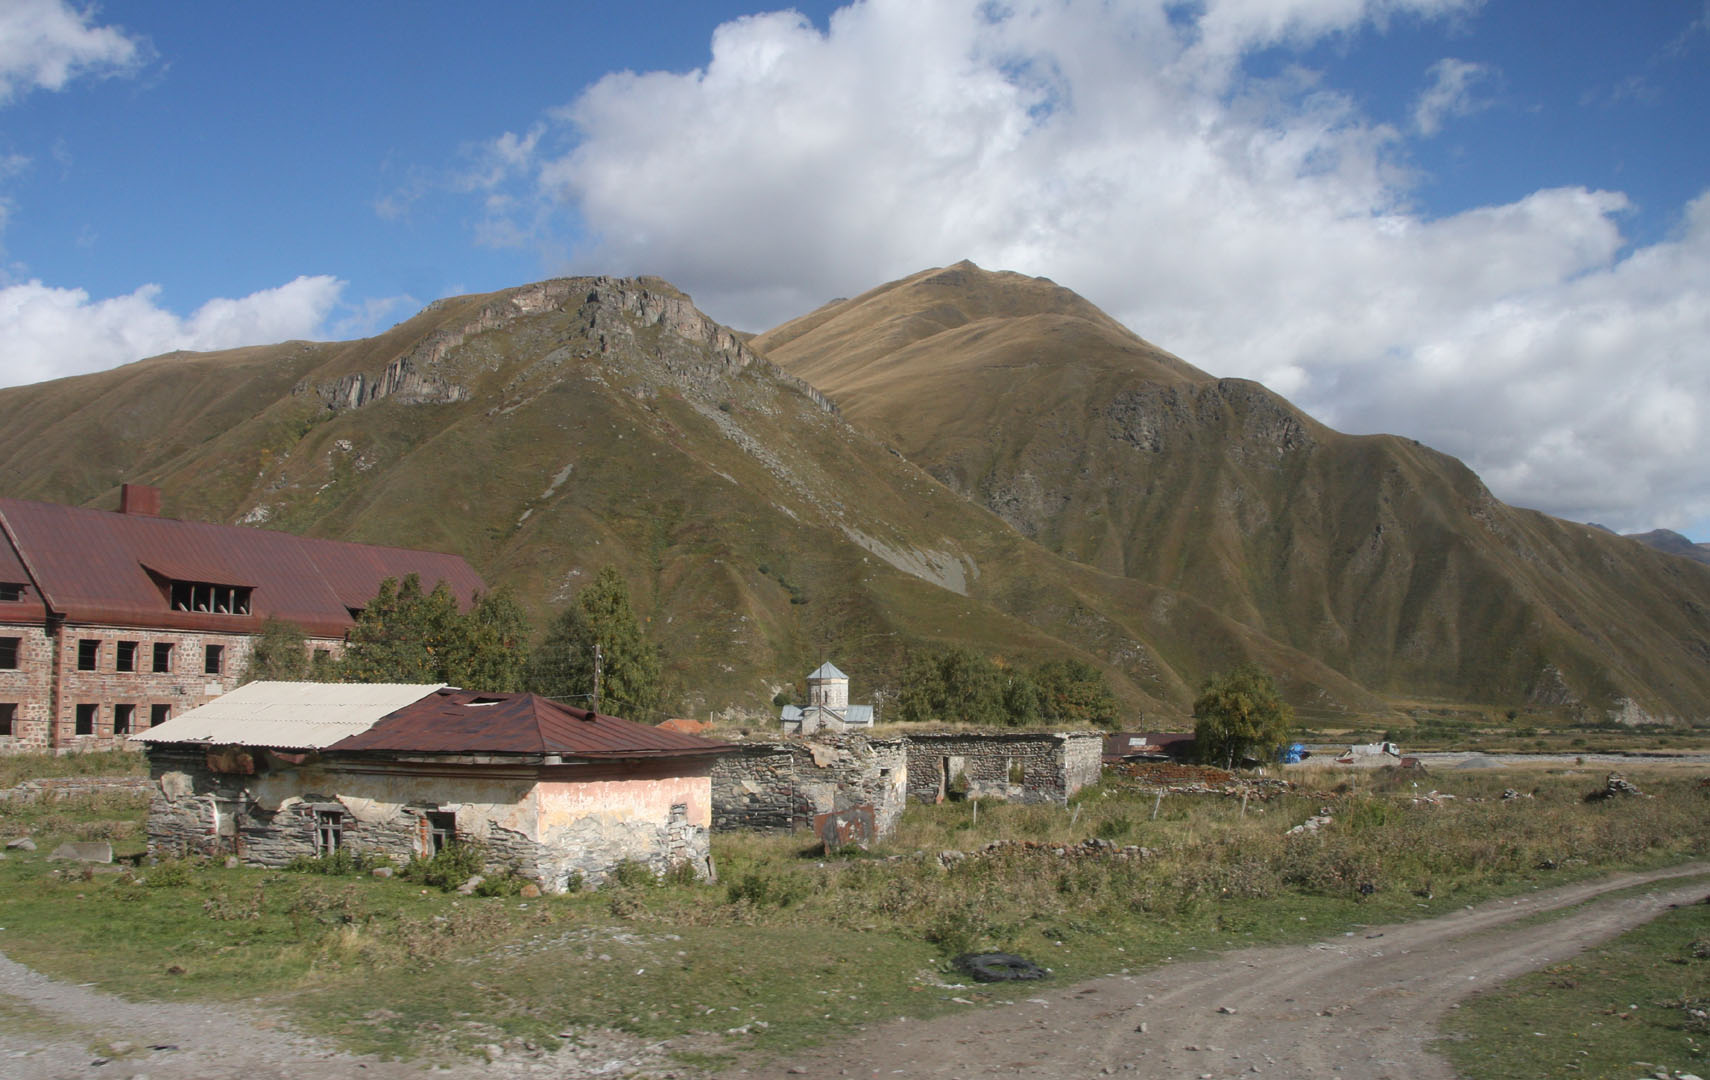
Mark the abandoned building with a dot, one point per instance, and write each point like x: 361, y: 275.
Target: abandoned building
x: 1021, y: 766
x: 857, y: 786
x: 828, y: 707
x: 793, y: 784
x: 111, y: 623
x: 558, y: 794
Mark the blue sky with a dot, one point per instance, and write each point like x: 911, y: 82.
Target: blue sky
x: 1482, y: 225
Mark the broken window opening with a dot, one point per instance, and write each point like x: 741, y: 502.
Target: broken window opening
x: 210, y: 599
x: 123, y: 717
x: 163, y: 656
x: 8, y: 718
x: 85, y: 720
x: 213, y: 659
x: 329, y: 831
x: 126, y: 658
x: 88, y: 653
x: 9, y: 647
x: 442, y: 830
x: 159, y: 714
x: 1016, y: 770
x: 11, y: 591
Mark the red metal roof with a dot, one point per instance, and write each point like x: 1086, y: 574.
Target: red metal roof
x: 28, y: 607
x: 93, y: 567
x: 462, y: 721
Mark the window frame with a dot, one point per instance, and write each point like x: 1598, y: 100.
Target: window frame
x: 12, y: 592
x: 8, y: 719
x: 89, y: 654
x: 125, y: 656
x: 83, y: 716
x: 14, y: 646
x: 163, y: 649
x: 158, y: 714
x: 329, y: 831
x: 213, y: 659
x: 128, y: 712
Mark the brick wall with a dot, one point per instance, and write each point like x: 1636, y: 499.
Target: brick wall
x: 48, y: 720
x: 29, y: 688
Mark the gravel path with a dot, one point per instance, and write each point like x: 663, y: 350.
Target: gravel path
x: 1364, y: 1006
x: 1361, y: 1007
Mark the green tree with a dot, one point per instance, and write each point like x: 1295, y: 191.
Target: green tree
x: 402, y: 636
x: 1074, y: 692
x: 490, y: 653
x: 955, y: 685
x: 405, y: 635
x: 563, y: 666
x: 1239, y: 714
x: 279, y: 653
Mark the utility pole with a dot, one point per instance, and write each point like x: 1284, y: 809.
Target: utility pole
x: 597, y: 676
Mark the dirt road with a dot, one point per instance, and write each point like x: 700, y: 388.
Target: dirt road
x: 1360, y: 1006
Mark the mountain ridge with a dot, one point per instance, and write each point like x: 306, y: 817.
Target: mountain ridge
x: 766, y: 521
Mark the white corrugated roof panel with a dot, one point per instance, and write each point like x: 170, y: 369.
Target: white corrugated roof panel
x: 289, y: 715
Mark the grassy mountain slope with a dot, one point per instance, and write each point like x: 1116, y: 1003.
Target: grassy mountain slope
x: 546, y: 431
x: 1378, y: 557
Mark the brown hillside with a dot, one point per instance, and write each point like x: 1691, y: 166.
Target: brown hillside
x: 547, y: 431
x: 1378, y: 557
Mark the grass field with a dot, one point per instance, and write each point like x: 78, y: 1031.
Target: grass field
x: 1640, y: 1002
x: 791, y: 946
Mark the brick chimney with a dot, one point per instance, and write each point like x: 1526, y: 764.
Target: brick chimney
x: 140, y: 499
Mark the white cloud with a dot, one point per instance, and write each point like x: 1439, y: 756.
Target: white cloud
x: 1450, y: 94
x: 44, y: 44
x: 50, y: 332
x: 1256, y: 227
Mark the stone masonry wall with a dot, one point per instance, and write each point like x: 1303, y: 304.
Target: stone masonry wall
x: 29, y: 689
x: 782, y: 785
x: 1027, y: 767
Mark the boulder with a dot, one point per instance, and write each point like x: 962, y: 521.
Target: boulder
x: 97, y: 851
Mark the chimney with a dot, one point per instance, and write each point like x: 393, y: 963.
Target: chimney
x: 140, y: 499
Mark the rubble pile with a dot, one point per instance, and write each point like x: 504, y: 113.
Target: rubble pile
x: 1093, y: 847
x: 1615, y: 787
x: 1199, y: 779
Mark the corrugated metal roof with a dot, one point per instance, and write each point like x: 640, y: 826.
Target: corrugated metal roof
x: 94, y: 566
x: 28, y: 607
x: 461, y: 721
x: 288, y: 715
x: 827, y: 671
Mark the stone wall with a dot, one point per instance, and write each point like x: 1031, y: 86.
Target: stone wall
x: 782, y: 785
x: 1022, y: 766
x: 267, y: 811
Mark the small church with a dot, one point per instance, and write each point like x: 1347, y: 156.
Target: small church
x: 828, y: 707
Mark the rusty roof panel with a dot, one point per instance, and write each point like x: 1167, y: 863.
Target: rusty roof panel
x: 28, y: 607
x: 462, y: 721
x: 94, y: 566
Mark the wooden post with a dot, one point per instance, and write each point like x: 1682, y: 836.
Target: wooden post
x: 1159, y: 801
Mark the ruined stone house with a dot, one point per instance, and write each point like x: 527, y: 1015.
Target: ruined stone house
x: 111, y: 623
x: 559, y: 794
x: 794, y: 783
x: 787, y: 784
x: 1021, y: 766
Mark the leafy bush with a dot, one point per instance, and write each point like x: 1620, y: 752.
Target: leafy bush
x: 170, y: 874
x: 449, y: 867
